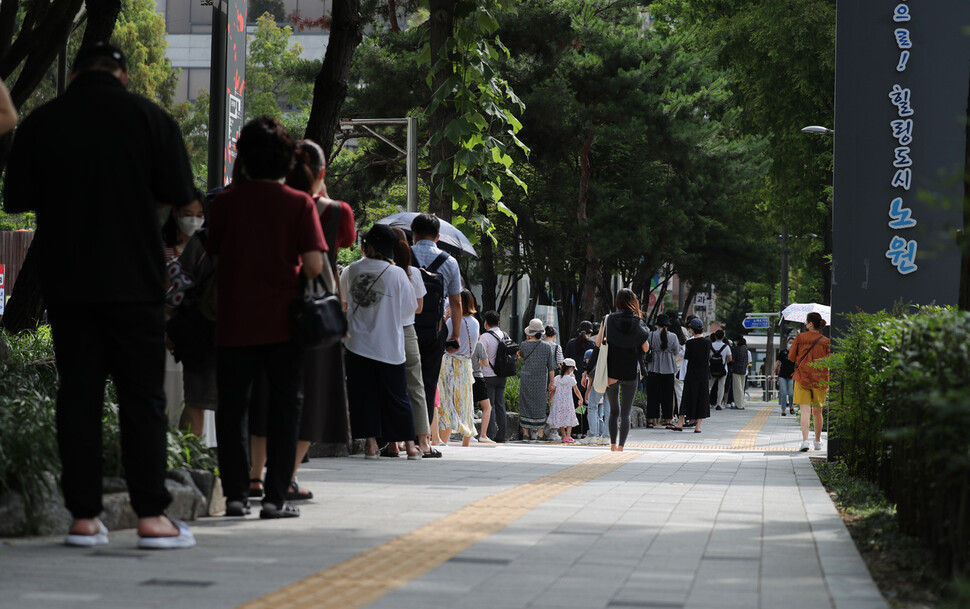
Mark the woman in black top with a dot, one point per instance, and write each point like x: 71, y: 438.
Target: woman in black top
x: 576, y: 348
x: 696, y: 402
x: 626, y: 335
x: 784, y: 369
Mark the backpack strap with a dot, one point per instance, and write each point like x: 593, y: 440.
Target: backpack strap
x: 437, y: 262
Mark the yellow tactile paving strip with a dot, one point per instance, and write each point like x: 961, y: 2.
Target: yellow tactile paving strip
x: 749, y: 433
x: 363, y: 579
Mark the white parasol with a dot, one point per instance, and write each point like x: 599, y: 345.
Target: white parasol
x: 799, y: 311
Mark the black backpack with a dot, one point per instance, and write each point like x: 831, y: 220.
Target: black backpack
x: 427, y: 323
x: 506, y: 353
x: 717, y: 362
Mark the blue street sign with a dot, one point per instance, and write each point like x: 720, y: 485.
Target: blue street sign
x: 756, y: 323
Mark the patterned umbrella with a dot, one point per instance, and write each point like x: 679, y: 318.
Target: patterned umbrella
x: 799, y: 311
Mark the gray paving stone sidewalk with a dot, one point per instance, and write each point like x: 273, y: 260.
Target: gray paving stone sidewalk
x: 673, y: 528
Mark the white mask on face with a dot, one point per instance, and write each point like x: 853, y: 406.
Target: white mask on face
x: 190, y: 224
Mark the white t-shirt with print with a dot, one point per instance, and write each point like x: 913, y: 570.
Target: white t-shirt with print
x: 379, y: 300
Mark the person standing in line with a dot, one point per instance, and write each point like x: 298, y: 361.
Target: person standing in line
x: 576, y: 349
x: 718, y: 377
x: 739, y: 371
x: 696, y: 405
x: 494, y: 384
x: 597, y: 404
x: 626, y: 335
x: 551, y: 336
x: 535, y: 380
x: 126, y: 164
x: 784, y: 368
x: 404, y: 258
x: 257, y: 280
x: 379, y: 301
x: 433, y: 336
x: 810, y: 382
x: 456, y: 380
x: 8, y: 113
x: 678, y: 331
x: 660, y: 372
x: 479, y: 393
x: 562, y: 412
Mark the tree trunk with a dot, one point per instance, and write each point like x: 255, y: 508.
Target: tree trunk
x: 101, y: 18
x: 587, y: 303
x: 964, y: 241
x: 330, y: 86
x: 688, y: 300
x: 487, y: 260
x: 8, y: 24
x: 442, y: 154
x: 25, y: 307
x: 392, y: 15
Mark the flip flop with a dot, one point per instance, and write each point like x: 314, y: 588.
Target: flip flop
x: 87, y: 541
x: 184, y: 539
x: 434, y: 453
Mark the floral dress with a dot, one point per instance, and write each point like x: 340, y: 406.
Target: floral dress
x: 561, y: 412
x: 457, y: 405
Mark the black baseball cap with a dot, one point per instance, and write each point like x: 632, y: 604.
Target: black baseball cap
x: 383, y: 239
x: 99, y: 49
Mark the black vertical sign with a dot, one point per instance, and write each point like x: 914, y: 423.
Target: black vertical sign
x: 902, y: 68
x: 228, y: 84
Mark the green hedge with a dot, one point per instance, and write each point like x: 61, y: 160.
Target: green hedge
x: 28, y: 438
x: 901, y: 410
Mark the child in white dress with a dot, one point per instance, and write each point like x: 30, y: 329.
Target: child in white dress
x: 562, y: 414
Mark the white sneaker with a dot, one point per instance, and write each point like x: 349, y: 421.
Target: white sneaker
x: 818, y: 446
x: 805, y: 446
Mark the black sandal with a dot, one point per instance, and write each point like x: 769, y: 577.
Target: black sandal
x: 295, y: 493
x: 255, y: 492
x: 432, y: 454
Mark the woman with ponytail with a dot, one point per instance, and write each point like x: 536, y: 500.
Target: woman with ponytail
x: 660, y: 372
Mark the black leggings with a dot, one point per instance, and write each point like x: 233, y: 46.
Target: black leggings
x: 623, y: 412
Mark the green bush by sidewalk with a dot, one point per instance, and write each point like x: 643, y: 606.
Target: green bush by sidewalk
x: 28, y: 437
x: 900, y: 401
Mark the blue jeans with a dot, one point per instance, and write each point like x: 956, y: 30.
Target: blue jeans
x: 598, y: 413
x: 786, y: 392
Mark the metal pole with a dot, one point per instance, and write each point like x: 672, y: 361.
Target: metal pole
x: 412, y: 163
x: 217, y: 95
x: 783, y: 337
x: 62, y: 69
x: 514, y: 315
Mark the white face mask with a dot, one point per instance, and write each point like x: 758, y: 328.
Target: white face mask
x: 190, y: 224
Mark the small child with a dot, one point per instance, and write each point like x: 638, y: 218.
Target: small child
x: 562, y: 414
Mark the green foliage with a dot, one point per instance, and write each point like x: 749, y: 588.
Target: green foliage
x: 28, y: 440
x: 193, y: 120
x: 140, y: 33
x: 276, y: 78
x: 484, y: 105
x: 901, y: 405
x: 512, y: 385
x: 257, y: 8
x: 28, y: 445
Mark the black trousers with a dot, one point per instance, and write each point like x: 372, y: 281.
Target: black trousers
x: 660, y: 395
x: 237, y: 368
x: 432, y: 350
x: 379, y: 402
x: 126, y: 341
x: 495, y: 387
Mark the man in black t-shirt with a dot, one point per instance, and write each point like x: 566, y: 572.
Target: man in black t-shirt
x: 784, y: 369
x: 95, y: 164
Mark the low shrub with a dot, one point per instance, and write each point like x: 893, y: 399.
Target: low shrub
x: 512, y: 385
x: 28, y: 437
x: 901, y: 408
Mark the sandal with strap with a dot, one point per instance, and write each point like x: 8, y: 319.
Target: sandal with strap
x: 295, y: 493
x: 255, y: 492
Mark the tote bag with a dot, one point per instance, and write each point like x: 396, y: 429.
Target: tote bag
x: 601, y: 378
